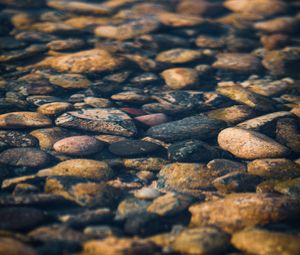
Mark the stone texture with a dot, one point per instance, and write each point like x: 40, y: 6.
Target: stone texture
x: 250, y: 144
x: 11, y: 246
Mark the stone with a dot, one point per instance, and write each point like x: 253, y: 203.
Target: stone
x: 78, y: 145
x: 89, y: 61
x: 289, y: 187
x: 225, y: 166
x: 170, y: 204
x: 237, y: 182
x: 25, y: 157
x: 11, y: 246
x: 24, y: 120
x: 280, y: 168
x: 239, y: 94
x: 179, y: 20
x: 278, y: 25
x: 178, y: 56
x: 102, y: 232
x: 265, y: 242
x: 17, y: 139
x: 20, y: 218
x: 232, y: 114
x: 192, y: 151
x: 239, y: 62
x: 85, y: 168
x: 249, y: 144
x: 54, y: 109
x: 130, y: 96
x: 87, y: 217
x: 194, y: 127
x: 202, y: 240
x: 133, y: 148
x: 147, y: 193
x: 65, y: 45
x: 145, y: 164
x: 47, y: 137
x: 81, y: 191
x: 274, y: 41
x: 263, y: 8
x: 240, y: 210
x: 69, y: 81
x: 119, y: 246
x: 151, y: 120
x: 107, y: 121
x: 98, y: 102
x: 180, y: 78
x: 128, y: 30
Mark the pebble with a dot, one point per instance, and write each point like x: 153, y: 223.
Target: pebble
x: 249, y: 144
x: 15, y: 247
x: 200, y: 241
x: 147, y: 193
x: 145, y: 164
x: 54, y: 109
x: 151, y: 120
x: 278, y: 25
x: 88, y: 61
x: 241, y: 210
x: 17, y: 139
x: 25, y: 157
x: 180, y: 78
x: 289, y: 187
x: 280, y: 168
x: 85, y: 168
x: 178, y: 56
x: 69, y: 81
x: 107, y: 121
x: 78, y: 145
x: 265, y: 241
x: 200, y: 127
x: 24, y: 120
x: 133, y: 148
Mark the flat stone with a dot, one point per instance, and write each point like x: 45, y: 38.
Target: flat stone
x: 102, y: 232
x: 170, y: 204
x: 192, y: 151
x: 289, y: 187
x: 278, y: 25
x: 240, y: 210
x: 147, y: 193
x: 225, y: 166
x: 128, y: 30
x: 54, y: 109
x: 133, y: 148
x: 11, y: 246
x: 266, y: 242
x: 65, y: 45
x: 145, y: 164
x: 151, y: 120
x: 81, y: 191
x: 239, y: 94
x: 179, y: 20
x: 25, y: 157
x: 265, y: 9
x: 194, y: 127
x: 85, y: 168
x: 24, y: 120
x: 119, y: 246
x: 69, y: 81
x: 89, y: 61
x: 240, y: 62
x: 180, y: 78
x: 17, y: 139
x: 107, y: 121
x: 249, y: 144
x: 78, y: 145
x: 178, y: 56
x: 200, y: 241
x: 20, y: 218
x: 280, y: 168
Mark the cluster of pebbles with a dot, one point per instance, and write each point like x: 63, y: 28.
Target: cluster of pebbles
x: 132, y: 127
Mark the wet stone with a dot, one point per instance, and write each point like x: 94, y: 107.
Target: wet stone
x: 15, y: 247
x: 178, y: 56
x: 133, y: 148
x: 242, y: 210
x: 17, y: 139
x: 78, y: 145
x: 85, y: 168
x: 205, y: 240
x: 20, y: 218
x: 265, y: 241
x: 257, y: 145
x: 145, y: 164
x: 25, y: 157
x: 65, y: 45
x: 102, y: 232
x: 152, y: 119
x: 54, y: 109
x: 107, y: 121
x: 289, y: 187
x: 192, y: 127
x: 70, y: 81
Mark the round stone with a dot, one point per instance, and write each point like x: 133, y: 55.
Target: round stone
x: 24, y: 120
x: 152, y: 119
x: 78, y: 145
x: 249, y: 144
x: 53, y: 109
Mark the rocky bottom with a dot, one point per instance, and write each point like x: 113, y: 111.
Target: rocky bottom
x: 132, y: 127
